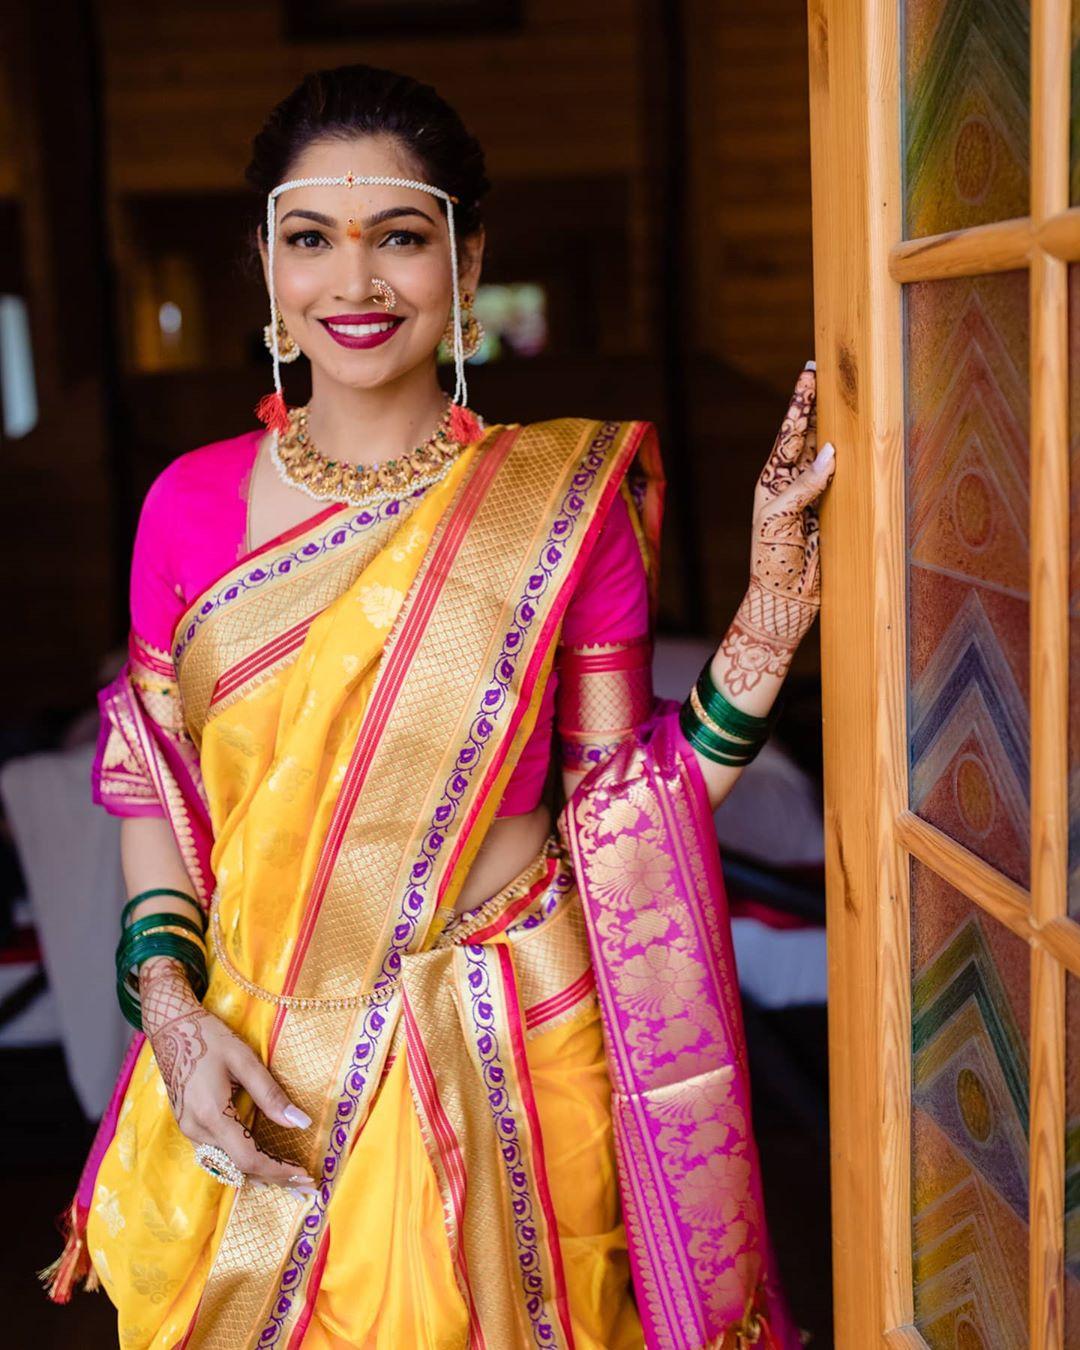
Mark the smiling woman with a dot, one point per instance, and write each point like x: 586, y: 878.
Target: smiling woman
x: 410, y: 1068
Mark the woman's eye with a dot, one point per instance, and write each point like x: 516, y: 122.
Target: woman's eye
x: 303, y: 239
x: 408, y: 236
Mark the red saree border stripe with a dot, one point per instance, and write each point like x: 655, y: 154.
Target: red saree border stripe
x: 293, y: 532
x: 512, y: 1004
x: 557, y: 1003
x: 314, y: 1284
x: 149, y: 657
x: 547, y: 634
x: 385, y: 692
x: 423, y: 1079
x: 250, y: 666
x: 630, y: 656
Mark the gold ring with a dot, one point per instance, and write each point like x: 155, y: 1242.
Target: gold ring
x: 217, y: 1163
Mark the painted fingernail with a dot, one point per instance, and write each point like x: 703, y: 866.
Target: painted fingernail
x: 824, y: 455
x: 296, y: 1117
x: 309, y: 1191
x: 810, y: 365
x: 301, y: 1177
x: 258, y: 1185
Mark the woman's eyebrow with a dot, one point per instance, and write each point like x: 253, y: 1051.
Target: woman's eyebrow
x: 390, y: 213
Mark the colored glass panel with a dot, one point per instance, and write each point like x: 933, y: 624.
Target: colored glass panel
x: 1074, y: 591
x: 969, y: 1126
x: 967, y: 552
x: 1074, y: 110
x: 1072, y: 1161
x: 967, y: 92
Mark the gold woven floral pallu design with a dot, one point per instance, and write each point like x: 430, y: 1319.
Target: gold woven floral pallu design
x: 451, y: 699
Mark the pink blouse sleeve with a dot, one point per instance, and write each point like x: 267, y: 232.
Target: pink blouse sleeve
x: 142, y: 721
x: 155, y: 594
x: 604, y: 662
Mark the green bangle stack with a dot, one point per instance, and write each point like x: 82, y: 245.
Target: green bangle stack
x: 720, y: 731
x: 161, y: 934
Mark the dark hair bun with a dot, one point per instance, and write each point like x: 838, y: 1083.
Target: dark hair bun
x: 361, y: 100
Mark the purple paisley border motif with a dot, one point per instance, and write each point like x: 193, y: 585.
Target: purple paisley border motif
x: 334, y: 539
x: 483, y: 1026
x: 357, y: 1075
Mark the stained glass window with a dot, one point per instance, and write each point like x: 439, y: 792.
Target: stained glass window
x: 966, y: 123
x: 969, y: 1127
x: 967, y: 550
x: 1072, y: 1161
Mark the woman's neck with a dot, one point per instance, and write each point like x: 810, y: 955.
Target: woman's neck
x: 370, y: 426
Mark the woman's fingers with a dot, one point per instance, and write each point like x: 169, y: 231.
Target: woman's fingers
x: 231, y: 1134
x: 790, y: 443
x: 813, y: 480
x: 263, y: 1088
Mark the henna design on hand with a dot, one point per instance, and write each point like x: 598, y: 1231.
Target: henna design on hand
x: 796, y: 441
x: 173, y: 1017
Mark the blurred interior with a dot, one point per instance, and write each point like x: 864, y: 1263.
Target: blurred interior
x: 648, y: 256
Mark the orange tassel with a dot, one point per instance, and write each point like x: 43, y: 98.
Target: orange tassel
x: 464, y: 427
x: 72, y: 1265
x: 272, y: 411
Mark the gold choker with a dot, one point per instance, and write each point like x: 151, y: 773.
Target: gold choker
x: 302, y: 466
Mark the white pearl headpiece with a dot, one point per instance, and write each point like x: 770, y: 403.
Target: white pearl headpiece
x: 350, y: 180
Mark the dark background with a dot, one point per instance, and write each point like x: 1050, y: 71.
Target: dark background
x: 651, y: 171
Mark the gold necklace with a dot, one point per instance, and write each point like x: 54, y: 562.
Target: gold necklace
x: 302, y: 466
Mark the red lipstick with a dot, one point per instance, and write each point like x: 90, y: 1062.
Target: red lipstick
x: 338, y: 326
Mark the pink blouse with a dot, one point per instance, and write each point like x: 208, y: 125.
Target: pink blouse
x: 192, y: 529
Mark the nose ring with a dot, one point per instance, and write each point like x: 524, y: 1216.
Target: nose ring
x: 385, y: 292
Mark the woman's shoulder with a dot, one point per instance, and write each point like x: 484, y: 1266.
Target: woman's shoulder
x: 206, y: 471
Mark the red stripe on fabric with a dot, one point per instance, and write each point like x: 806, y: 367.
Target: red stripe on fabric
x: 294, y: 531
x: 446, y: 1140
x: 149, y: 659
x: 314, y: 1284
x: 511, y: 912
x: 387, y: 687
x: 547, y: 633
x: 524, y: 1078
x: 251, y: 665
x: 557, y: 1003
x: 628, y: 657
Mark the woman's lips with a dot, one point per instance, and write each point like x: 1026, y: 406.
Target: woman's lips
x: 361, y: 330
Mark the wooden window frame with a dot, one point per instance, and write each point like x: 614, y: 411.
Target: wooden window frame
x: 861, y: 262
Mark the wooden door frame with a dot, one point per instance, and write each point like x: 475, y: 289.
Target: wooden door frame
x: 860, y: 264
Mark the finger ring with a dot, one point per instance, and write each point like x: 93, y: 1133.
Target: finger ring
x: 219, y: 1165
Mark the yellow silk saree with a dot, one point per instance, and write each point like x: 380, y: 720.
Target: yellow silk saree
x: 356, y: 697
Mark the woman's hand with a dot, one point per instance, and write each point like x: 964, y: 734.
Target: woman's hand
x: 203, y: 1064
x: 784, y: 594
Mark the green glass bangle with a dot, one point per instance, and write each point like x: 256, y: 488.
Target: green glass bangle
x: 129, y: 1006
x: 717, y: 748
x: 151, y: 921
x: 159, y: 890
x: 163, y: 944
x: 726, y: 715
x: 185, y: 949
x: 171, y: 945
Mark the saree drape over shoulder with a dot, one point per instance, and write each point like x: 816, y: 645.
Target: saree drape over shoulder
x: 531, y: 1122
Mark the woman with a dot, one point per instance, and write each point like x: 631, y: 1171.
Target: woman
x: 432, y: 1076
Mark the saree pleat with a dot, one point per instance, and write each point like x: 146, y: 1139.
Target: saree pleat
x: 357, y: 698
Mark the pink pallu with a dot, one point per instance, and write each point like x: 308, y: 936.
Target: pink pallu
x: 640, y: 833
